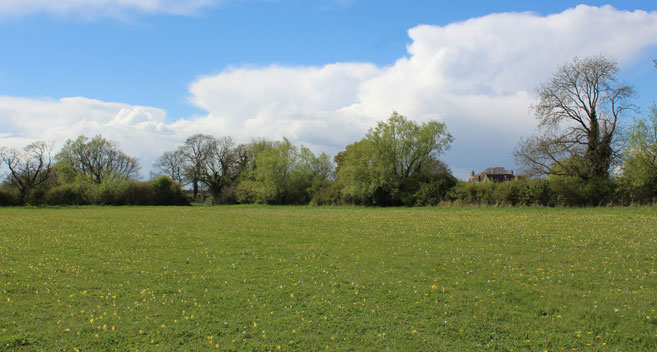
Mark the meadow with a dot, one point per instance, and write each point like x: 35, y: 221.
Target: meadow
x: 257, y: 278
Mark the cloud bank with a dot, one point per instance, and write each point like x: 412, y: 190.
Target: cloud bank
x: 477, y: 76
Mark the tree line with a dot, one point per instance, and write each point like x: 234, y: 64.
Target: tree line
x: 582, y: 154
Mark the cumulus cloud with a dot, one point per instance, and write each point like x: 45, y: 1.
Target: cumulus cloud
x: 140, y: 130
x: 477, y: 76
x: 99, y: 8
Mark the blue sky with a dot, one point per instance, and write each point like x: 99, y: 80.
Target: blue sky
x: 169, y: 69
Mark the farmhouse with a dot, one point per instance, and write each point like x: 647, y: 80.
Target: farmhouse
x: 496, y: 174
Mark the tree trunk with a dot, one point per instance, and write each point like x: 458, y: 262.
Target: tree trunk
x: 598, y: 151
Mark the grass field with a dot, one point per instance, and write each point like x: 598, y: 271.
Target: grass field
x: 311, y: 278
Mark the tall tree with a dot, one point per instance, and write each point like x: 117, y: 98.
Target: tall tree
x: 578, y: 111
x: 405, y: 145
x: 98, y: 159
x: 381, y: 168
x: 28, y: 168
x: 221, y: 165
x: 197, y: 150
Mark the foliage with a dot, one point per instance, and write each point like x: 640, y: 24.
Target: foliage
x: 578, y: 112
x: 117, y: 191
x: 76, y: 193
x: 247, y: 278
x: 553, y: 191
x: 8, y: 196
x: 285, y: 174
x: 640, y: 168
x: 386, y: 167
x: 97, y: 159
x: 247, y: 192
x: 166, y: 191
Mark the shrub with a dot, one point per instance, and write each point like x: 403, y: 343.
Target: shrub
x: 247, y: 192
x: 8, y: 196
x: 165, y: 191
x: 325, y: 192
x: 435, y: 191
x: 68, y: 194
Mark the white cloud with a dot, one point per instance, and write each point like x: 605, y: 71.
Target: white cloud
x: 476, y: 76
x: 100, y: 8
x: 140, y: 130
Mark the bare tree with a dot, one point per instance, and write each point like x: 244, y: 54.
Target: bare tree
x: 578, y: 112
x: 196, y: 151
x: 98, y: 158
x: 28, y: 168
x: 172, y: 164
x: 221, y: 166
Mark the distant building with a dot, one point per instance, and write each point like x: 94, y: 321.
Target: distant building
x: 495, y: 174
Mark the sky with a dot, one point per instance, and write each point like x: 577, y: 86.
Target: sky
x: 149, y: 73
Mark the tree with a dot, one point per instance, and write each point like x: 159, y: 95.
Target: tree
x: 28, y: 168
x: 405, y: 146
x: 383, y: 167
x: 277, y: 172
x: 640, y: 168
x: 98, y: 159
x: 221, y: 165
x: 172, y: 164
x: 196, y: 151
x: 578, y: 112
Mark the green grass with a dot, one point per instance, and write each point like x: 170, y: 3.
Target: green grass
x: 310, y: 278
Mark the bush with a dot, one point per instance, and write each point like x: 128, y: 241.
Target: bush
x: 325, y: 192
x: 8, y: 197
x: 68, y: 194
x: 435, y: 191
x: 165, y: 191
x: 247, y: 192
x: 473, y: 193
x: 136, y: 193
x: 111, y: 192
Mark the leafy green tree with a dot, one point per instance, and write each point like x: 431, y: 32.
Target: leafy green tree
x: 274, y: 167
x: 97, y: 159
x: 384, y: 168
x: 640, y: 168
x: 277, y: 172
